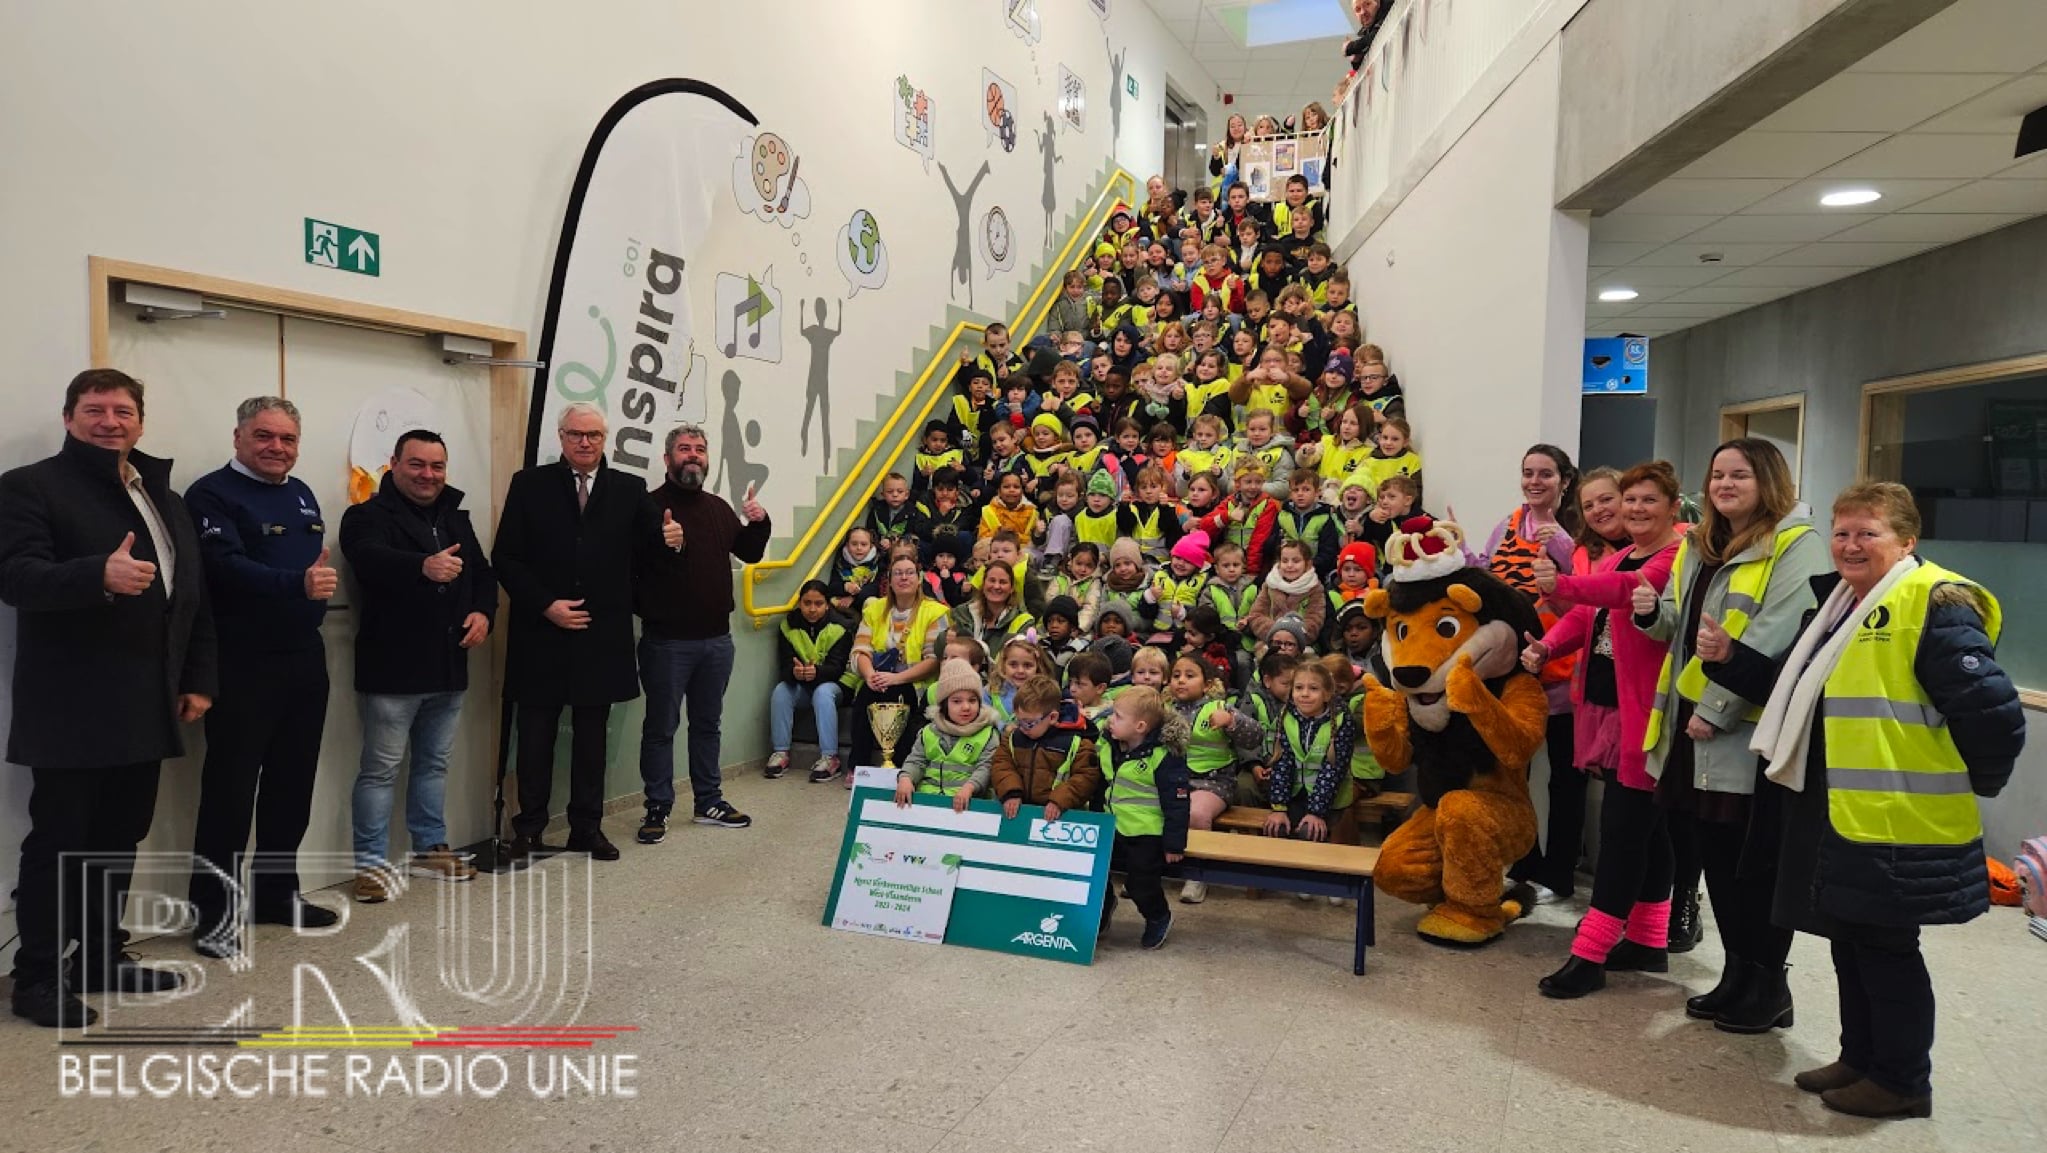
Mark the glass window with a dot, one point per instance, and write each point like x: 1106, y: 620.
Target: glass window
x: 1975, y: 456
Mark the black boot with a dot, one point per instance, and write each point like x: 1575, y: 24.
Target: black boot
x: 1733, y: 976
x: 1686, y: 929
x: 1629, y: 957
x: 1577, y: 978
x: 1764, y: 1003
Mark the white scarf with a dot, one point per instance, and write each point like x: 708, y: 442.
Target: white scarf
x: 1785, y: 731
x: 1298, y: 587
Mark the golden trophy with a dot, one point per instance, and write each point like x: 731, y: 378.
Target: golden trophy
x: 888, y: 719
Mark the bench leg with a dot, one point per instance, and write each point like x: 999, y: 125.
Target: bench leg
x: 1364, y: 900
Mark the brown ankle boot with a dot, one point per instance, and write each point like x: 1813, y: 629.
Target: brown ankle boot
x: 1838, y: 1075
x: 1866, y: 1098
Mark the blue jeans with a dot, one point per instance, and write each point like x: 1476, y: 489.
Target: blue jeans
x: 673, y: 672
x: 427, y: 720
x: 824, y: 702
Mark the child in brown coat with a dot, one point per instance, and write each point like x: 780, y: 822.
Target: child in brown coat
x: 1045, y: 758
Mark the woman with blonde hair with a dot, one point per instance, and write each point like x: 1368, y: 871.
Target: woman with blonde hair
x: 1740, y: 585
x: 897, y: 650
x: 1888, y: 718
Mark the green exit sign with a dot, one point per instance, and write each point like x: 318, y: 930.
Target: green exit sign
x: 1130, y: 83
x: 339, y: 246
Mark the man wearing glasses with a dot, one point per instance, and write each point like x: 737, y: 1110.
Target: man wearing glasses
x: 685, y: 604
x: 568, y: 540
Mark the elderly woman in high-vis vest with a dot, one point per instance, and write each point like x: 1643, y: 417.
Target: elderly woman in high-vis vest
x: 896, y: 652
x: 1740, y: 585
x: 1890, y: 717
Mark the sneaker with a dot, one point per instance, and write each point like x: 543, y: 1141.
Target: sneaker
x: 825, y: 769
x: 654, y: 827
x: 1155, y: 931
x: 373, y: 886
x: 51, y: 1005
x: 722, y: 814
x: 1193, y: 892
x: 440, y: 863
x: 778, y: 763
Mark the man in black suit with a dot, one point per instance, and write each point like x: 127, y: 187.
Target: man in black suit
x: 115, y: 653
x: 568, y: 539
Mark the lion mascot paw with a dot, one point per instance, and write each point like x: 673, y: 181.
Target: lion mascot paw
x: 1465, y: 715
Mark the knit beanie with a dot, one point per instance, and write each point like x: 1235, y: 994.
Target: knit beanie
x: 1047, y: 420
x: 1338, y: 363
x: 1126, y: 547
x: 1115, y: 650
x: 1063, y: 606
x: 955, y: 546
x: 1361, y: 554
x: 1100, y: 482
x: 1193, y: 548
x: 955, y: 676
x: 1120, y: 610
x: 1290, y: 623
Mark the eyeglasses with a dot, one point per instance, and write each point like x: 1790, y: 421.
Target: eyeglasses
x: 590, y: 437
x: 1024, y: 722
x: 1363, y: 376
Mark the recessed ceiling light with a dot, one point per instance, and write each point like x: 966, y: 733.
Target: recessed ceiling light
x: 1849, y: 197
x: 1616, y: 295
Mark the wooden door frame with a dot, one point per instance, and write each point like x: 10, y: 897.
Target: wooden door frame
x: 508, y: 384
x: 1729, y: 414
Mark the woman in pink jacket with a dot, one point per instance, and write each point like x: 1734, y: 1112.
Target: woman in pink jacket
x: 1628, y: 923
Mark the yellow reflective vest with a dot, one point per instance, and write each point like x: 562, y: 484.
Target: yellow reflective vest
x: 1745, y: 587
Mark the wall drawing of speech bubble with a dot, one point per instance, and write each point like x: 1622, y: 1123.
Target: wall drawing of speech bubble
x: 767, y: 180
x: 915, y: 113
x: 863, y: 258
x: 998, y: 241
x: 998, y: 110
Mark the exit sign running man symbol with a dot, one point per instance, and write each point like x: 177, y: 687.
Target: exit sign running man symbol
x: 340, y: 247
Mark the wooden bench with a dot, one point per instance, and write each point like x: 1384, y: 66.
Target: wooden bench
x: 1290, y: 866
x: 1390, y: 808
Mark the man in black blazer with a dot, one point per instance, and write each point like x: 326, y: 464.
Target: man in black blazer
x: 115, y: 652
x: 568, y: 539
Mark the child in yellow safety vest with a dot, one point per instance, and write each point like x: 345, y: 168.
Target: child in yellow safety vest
x: 1218, y: 737
x: 815, y: 647
x: 954, y: 752
x: 1311, y: 790
x: 1146, y: 793
x: 1231, y: 590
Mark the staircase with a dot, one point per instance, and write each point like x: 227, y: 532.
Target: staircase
x: 886, y: 441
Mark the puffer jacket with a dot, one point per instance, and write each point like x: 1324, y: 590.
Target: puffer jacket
x: 1724, y: 764
x: 1025, y: 768
x: 1825, y: 881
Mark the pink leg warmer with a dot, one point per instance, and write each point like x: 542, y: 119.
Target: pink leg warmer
x: 1598, y: 933
x: 1649, y: 924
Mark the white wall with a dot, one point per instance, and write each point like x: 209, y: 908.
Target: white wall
x: 1475, y: 287
x: 199, y: 135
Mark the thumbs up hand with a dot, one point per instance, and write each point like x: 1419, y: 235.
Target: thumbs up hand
x: 751, y: 508
x: 125, y: 575
x: 1545, y: 573
x: 443, y: 566
x: 1712, y: 643
x: 321, y: 579
x: 1535, y: 655
x: 671, y: 533
x: 1644, y: 597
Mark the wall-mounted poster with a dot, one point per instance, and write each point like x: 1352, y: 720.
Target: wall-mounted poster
x: 1285, y: 159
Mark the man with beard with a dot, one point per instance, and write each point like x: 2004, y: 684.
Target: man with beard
x: 684, y: 599
x: 569, y: 539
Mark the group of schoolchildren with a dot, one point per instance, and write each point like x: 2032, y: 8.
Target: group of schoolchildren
x: 1153, y: 537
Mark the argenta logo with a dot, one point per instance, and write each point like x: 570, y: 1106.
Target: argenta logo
x: 1048, y: 937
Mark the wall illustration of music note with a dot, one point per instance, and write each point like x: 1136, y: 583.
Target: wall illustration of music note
x: 748, y: 316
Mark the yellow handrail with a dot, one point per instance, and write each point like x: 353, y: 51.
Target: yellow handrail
x: 941, y: 357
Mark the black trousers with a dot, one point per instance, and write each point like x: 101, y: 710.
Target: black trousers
x: 262, y: 747
x: 1886, y: 1006
x: 1143, y: 863
x: 1634, y: 851
x: 1741, y: 902
x: 863, y: 748
x: 538, y: 725
x: 62, y: 895
x: 1553, y: 862
x: 1684, y: 853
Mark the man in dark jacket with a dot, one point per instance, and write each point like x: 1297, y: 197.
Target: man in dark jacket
x: 568, y: 539
x: 685, y: 607
x: 115, y: 651
x: 424, y: 597
x: 267, y: 576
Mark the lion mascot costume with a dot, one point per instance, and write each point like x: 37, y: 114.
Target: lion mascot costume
x: 1466, y: 716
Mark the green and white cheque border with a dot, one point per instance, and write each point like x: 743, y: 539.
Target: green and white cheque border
x: 1026, y: 886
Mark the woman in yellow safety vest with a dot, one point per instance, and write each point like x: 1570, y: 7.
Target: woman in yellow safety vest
x: 896, y: 652
x: 1741, y: 581
x: 1888, y: 718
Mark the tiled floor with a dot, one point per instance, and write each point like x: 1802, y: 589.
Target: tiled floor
x: 760, y: 1030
